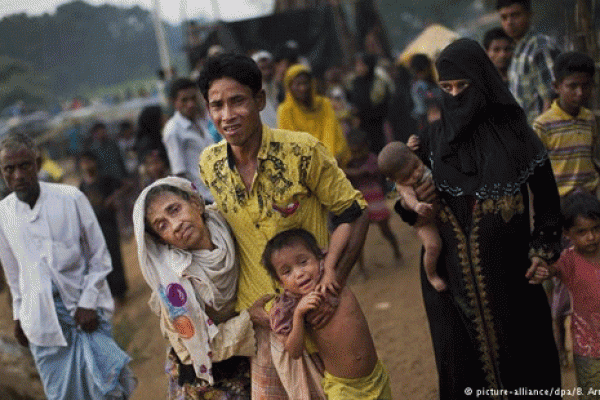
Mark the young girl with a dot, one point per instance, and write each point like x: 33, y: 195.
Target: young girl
x: 579, y: 269
x: 363, y: 173
x: 352, y: 369
x: 397, y: 162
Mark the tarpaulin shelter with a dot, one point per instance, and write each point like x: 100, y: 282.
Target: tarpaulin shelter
x: 313, y: 29
x: 430, y: 42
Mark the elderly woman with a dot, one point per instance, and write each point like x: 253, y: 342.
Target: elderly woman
x: 305, y: 111
x: 491, y: 329
x: 187, y: 256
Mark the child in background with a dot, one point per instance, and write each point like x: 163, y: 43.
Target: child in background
x: 579, y: 269
x: 569, y: 132
x: 103, y: 192
x: 363, y: 173
x: 568, y: 129
x: 399, y: 164
x: 352, y: 369
x: 423, y: 89
x: 155, y: 166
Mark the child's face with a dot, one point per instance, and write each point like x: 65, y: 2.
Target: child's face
x: 585, y: 236
x: 574, y: 91
x: 88, y: 166
x: 411, y: 173
x: 297, y: 268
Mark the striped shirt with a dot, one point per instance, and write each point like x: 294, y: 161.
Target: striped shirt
x: 572, y: 145
x: 530, y: 73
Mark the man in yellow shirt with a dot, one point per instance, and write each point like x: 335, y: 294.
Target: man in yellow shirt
x: 268, y: 180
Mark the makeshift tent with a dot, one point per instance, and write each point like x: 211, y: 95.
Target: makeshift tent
x: 313, y: 29
x: 430, y: 42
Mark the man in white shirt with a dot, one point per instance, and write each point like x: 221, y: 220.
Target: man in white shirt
x: 56, y: 262
x: 186, y: 135
x: 265, y: 63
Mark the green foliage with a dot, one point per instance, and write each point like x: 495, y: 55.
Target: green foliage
x: 86, y: 46
x: 19, y: 81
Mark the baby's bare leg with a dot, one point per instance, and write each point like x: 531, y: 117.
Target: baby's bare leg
x: 432, y: 243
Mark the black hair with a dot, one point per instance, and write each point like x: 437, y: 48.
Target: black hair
x: 494, y: 34
x: 87, y: 155
x: 125, y: 124
x: 579, y: 204
x: 238, y: 67
x: 420, y: 62
x: 286, y: 239
x: 507, y: 3
x: 97, y: 125
x: 572, y: 62
x: 180, y: 84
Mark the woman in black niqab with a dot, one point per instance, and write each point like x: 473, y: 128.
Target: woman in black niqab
x: 485, y: 147
x: 491, y: 329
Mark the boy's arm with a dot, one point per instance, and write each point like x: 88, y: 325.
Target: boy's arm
x: 294, y: 343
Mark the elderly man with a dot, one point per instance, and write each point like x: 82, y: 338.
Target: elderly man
x: 56, y: 262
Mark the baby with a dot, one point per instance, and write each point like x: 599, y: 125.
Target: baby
x: 399, y: 164
x: 352, y: 369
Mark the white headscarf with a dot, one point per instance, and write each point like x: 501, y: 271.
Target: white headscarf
x: 178, y: 293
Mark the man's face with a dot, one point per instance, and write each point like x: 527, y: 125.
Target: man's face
x: 235, y: 111
x: 267, y: 68
x: 19, y: 170
x: 187, y: 103
x: 500, y: 52
x: 515, y: 20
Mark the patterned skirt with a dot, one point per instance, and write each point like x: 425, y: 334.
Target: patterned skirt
x: 232, y: 381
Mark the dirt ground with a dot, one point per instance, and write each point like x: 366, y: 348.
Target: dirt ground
x: 390, y: 298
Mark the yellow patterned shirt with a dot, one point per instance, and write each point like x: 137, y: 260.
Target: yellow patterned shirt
x: 572, y: 143
x: 296, y: 184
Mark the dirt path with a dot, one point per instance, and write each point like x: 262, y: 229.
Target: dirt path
x: 391, y: 299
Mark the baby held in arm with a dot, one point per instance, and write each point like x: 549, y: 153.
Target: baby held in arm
x: 399, y: 164
x: 345, y: 345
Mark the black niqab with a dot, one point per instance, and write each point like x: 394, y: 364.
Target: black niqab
x: 483, y: 146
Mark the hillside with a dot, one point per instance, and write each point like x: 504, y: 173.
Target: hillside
x: 83, y: 46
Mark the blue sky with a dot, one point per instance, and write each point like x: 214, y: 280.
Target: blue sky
x: 172, y: 10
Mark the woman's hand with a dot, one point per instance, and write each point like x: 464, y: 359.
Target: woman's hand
x: 538, y: 271
x: 426, y: 191
x: 258, y: 314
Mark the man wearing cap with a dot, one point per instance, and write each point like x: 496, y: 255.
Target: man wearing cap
x: 265, y: 63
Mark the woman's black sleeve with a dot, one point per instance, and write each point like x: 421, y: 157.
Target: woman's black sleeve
x: 547, y: 221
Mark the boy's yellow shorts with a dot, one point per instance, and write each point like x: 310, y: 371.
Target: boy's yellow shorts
x: 375, y: 386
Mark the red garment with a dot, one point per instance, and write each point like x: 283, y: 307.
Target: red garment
x: 582, y: 278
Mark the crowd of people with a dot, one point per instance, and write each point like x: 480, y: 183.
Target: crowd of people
x: 250, y: 204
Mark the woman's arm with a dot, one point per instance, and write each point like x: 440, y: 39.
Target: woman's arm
x: 546, y: 237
